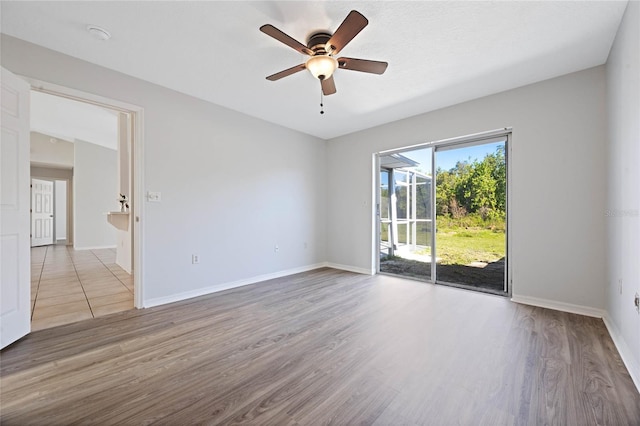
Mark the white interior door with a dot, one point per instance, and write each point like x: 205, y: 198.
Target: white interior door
x: 41, y: 212
x: 15, y: 288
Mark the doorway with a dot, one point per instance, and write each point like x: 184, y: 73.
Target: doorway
x: 49, y: 206
x: 92, y: 270
x: 442, y: 212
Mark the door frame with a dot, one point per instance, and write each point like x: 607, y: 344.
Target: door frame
x: 472, y: 139
x: 69, y: 184
x: 137, y: 165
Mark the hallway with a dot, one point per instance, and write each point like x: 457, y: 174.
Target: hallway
x: 70, y: 285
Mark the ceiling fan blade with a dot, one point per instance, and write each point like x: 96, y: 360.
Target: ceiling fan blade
x: 289, y: 71
x: 328, y: 86
x: 350, y: 27
x: 272, y: 31
x: 363, y: 65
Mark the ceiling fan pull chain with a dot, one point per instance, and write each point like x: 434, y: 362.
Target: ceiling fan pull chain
x: 321, y: 101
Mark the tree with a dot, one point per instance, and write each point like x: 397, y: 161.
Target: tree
x: 473, y: 187
x: 445, y: 191
x: 462, y: 172
x: 500, y: 175
x: 482, y: 185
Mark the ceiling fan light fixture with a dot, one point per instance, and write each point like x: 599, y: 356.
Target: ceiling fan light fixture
x: 321, y: 66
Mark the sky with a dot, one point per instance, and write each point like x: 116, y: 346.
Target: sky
x: 446, y: 160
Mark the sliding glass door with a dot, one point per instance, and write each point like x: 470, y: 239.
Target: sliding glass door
x: 447, y: 226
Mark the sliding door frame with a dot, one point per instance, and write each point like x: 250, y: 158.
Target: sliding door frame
x: 450, y: 143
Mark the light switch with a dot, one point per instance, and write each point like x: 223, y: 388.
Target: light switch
x: 155, y: 197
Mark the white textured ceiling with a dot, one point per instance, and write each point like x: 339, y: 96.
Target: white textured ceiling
x: 439, y: 53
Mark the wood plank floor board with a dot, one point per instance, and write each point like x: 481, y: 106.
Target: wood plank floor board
x: 237, y: 370
x: 322, y: 347
x: 595, y: 379
x: 261, y: 345
x: 619, y: 376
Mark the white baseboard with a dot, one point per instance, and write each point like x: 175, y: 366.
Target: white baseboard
x: 95, y: 248
x: 349, y: 268
x: 226, y: 286
x: 559, y: 306
x: 127, y: 270
x: 632, y: 364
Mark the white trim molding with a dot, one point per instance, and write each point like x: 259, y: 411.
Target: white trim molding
x: 227, y: 286
x: 349, y: 268
x: 559, y: 306
x: 632, y: 364
x: 95, y: 247
x: 247, y: 281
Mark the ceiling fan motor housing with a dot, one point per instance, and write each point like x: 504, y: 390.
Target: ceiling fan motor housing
x: 318, y: 43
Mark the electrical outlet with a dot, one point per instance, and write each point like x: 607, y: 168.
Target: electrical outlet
x: 620, y: 285
x: 195, y: 259
x: 276, y: 248
x: 636, y: 301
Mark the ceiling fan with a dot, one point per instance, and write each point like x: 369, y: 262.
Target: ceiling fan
x: 322, y: 47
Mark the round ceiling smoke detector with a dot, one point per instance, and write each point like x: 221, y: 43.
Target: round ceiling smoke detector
x: 98, y: 33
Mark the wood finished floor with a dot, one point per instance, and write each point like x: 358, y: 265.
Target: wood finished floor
x: 323, y: 347
x: 70, y: 285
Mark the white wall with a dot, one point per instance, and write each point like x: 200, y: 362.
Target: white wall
x: 557, y: 188
x: 44, y: 152
x: 95, y: 177
x: 232, y: 186
x: 623, y: 193
x: 69, y: 119
x: 60, y: 215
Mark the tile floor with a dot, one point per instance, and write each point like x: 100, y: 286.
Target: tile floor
x: 70, y: 285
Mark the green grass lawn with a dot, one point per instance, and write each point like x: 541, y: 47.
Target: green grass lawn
x: 461, y: 245
x: 460, y: 241
x: 465, y: 245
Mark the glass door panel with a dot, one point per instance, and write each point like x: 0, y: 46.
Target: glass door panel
x: 471, y: 188
x: 405, y: 213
